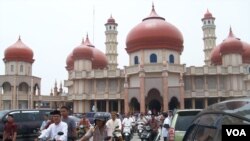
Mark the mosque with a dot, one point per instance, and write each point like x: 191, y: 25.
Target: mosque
x: 154, y: 79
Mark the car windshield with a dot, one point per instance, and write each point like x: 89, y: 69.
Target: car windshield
x: 2, y: 113
x: 185, y: 119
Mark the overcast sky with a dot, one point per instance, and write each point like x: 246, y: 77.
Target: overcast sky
x: 53, y: 28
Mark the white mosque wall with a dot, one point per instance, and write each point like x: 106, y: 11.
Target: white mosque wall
x: 231, y: 59
x: 153, y: 83
x: 173, y: 79
x: 134, y: 92
x: 134, y: 81
x: 18, y: 67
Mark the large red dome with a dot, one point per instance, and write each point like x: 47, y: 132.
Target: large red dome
x: 100, y: 60
x: 70, y: 62
x: 19, y: 52
x: 231, y: 45
x: 246, y: 53
x: 216, y: 58
x: 82, y: 52
x: 154, y: 33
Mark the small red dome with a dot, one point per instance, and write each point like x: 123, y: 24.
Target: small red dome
x: 82, y: 52
x: 208, y: 15
x: 19, y: 52
x: 154, y: 33
x: 246, y: 53
x: 216, y: 58
x: 70, y: 62
x: 231, y: 45
x: 111, y: 20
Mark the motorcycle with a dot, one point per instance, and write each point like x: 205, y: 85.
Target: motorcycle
x: 116, y: 134
x: 81, y: 131
x: 127, y: 133
x: 51, y: 139
x: 146, y: 133
x: 140, y: 125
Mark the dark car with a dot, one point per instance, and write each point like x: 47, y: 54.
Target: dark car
x: 28, y: 121
x: 208, y: 124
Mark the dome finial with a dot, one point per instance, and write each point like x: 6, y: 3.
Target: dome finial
x: 153, y: 6
x: 87, y: 36
x: 83, y: 40
x: 19, y: 38
x: 208, y: 11
x: 230, y: 32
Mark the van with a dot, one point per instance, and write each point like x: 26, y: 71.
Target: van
x: 28, y: 121
x: 181, y: 120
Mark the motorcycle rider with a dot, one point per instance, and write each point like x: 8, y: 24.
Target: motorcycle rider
x: 99, y: 132
x: 56, y: 127
x: 85, y: 122
x: 113, y: 123
x: 127, y: 123
x: 70, y: 121
x: 153, y: 123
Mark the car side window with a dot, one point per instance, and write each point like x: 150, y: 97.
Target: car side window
x: 233, y: 120
x: 16, y: 115
x: 205, y: 134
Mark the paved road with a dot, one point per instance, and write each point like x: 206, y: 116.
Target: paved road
x: 135, y: 138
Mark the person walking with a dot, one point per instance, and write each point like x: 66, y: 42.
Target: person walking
x: 165, y: 126
x: 99, y: 132
x: 71, y: 123
x: 10, y: 129
x: 57, y: 130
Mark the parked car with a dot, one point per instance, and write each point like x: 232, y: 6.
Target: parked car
x: 207, y: 125
x: 28, y: 121
x: 180, y: 122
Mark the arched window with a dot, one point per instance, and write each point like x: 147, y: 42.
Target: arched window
x: 171, y: 59
x: 6, y: 87
x: 12, y: 68
x: 21, y: 68
x: 153, y: 58
x: 23, y: 87
x: 136, y: 61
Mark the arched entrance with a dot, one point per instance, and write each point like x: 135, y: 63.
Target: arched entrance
x: 154, y: 101
x: 134, y: 105
x: 174, y: 103
x: 155, y: 106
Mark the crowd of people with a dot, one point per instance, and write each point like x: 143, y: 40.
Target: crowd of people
x: 60, y: 126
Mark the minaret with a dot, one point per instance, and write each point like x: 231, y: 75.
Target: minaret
x: 111, y: 43
x: 209, y: 37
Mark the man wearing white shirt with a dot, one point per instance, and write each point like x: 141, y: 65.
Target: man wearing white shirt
x: 113, y: 123
x: 165, y: 126
x: 57, y: 127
